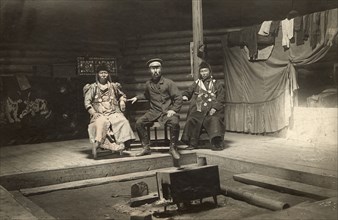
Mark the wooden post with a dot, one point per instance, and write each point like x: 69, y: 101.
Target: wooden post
x: 197, y: 30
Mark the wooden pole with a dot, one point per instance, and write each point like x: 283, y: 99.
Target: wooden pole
x: 197, y: 30
x: 254, y: 198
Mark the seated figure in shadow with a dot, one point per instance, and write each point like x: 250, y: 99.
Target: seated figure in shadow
x: 105, y: 102
x: 206, y: 110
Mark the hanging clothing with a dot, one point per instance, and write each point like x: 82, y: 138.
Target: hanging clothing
x: 299, y: 31
x: 249, y: 37
x: 306, y: 26
x: 262, y: 53
x: 265, y: 28
x: 274, y: 28
x: 287, y: 30
x: 332, y: 26
x: 258, y: 47
x: 259, y: 94
x: 315, y: 29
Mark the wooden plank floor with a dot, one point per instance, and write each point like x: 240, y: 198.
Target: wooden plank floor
x: 280, y: 152
x: 259, y: 149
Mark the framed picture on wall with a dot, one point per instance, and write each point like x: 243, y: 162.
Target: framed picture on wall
x: 88, y: 65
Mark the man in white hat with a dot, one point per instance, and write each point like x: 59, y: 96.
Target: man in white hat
x: 165, y: 102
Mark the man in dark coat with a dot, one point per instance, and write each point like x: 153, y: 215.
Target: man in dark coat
x: 165, y: 103
x: 206, y: 110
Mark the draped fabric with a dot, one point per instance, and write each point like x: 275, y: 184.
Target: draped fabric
x: 259, y: 94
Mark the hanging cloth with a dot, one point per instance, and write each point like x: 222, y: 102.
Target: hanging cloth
x: 287, y: 30
x: 265, y: 28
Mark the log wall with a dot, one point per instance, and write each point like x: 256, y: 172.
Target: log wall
x: 50, y: 71
x: 174, y: 49
x: 27, y: 58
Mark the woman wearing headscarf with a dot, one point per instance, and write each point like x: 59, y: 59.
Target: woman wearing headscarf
x: 105, y: 102
x: 206, y: 110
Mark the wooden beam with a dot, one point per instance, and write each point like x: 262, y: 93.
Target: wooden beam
x: 138, y: 201
x: 183, y: 34
x: 287, y: 186
x: 197, y: 30
x: 93, y: 182
x: 254, y: 198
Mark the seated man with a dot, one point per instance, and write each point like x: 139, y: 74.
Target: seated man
x: 165, y: 102
x: 105, y: 103
x: 206, y: 110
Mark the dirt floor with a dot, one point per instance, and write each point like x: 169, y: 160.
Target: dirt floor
x: 110, y: 201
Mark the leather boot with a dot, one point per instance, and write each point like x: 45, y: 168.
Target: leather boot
x: 174, y: 153
x: 174, y: 133
x: 145, y: 151
x: 145, y: 142
x: 217, y: 144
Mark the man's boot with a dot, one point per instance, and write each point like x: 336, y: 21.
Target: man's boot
x: 217, y: 144
x: 145, y: 151
x: 142, y: 133
x: 174, y: 133
x: 174, y: 153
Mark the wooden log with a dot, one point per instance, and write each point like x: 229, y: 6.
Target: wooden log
x: 142, y: 200
x: 254, y: 199
x: 47, y: 53
x: 172, y: 56
x: 197, y: 32
x: 103, y: 43
x: 221, y: 31
x: 168, y: 63
x: 68, y: 46
x: 16, y: 68
x: 146, y: 57
x: 286, y: 186
x: 158, y: 49
x: 180, y: 34
x: 168, y: 49
x: 93, y: 182
x: 171, y: 63
x: 169, y: 42
x: 34, y: 60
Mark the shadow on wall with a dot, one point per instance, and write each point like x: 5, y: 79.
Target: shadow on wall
x: 41, y: 109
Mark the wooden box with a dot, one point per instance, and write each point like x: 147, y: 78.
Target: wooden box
x: 188, y: 184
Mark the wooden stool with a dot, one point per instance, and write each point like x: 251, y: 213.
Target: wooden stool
x: 156, y: 125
